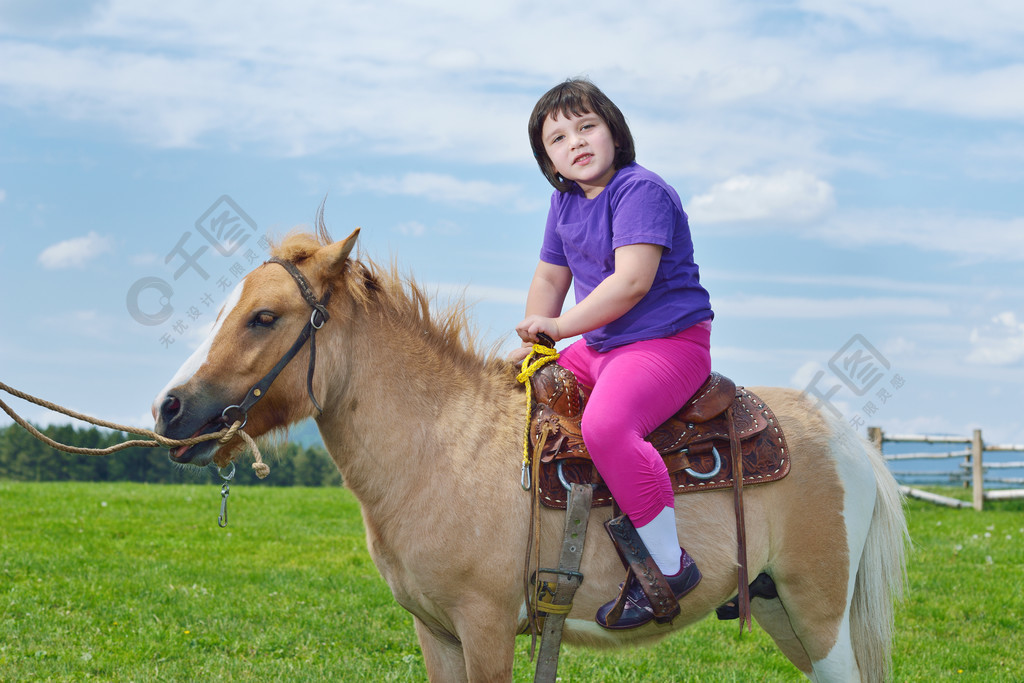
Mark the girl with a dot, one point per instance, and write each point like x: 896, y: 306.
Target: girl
x: 618, y: 233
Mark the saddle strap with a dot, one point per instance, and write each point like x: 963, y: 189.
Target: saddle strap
x: 741, y: 527
x: 577, y: 516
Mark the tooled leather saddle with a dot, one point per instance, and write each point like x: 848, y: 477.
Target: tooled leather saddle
x: 695, y: 442
x: 719, y: 417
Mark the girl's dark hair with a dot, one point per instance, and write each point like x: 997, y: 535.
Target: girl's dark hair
x: 575, y: 97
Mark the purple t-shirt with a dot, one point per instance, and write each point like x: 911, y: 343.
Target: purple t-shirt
x: 637, y: 207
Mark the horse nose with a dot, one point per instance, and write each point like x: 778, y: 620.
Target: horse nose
x: 169, y: 409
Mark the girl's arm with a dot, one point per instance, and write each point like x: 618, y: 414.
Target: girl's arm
x: 547, y: 293
x: 635, y: 268
x: 548, y: 288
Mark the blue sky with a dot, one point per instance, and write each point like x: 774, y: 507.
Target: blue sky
x: 852, y: 171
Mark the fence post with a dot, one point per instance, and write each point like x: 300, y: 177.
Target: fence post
x: 977, y: 475
x: 875, y: 437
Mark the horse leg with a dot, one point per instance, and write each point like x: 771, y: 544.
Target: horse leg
x: 489, y: 653
x: 817, y: 545
x: 812, y: 636
x: 483, y: 651
x: 773, y: 618
x: 442, y: 654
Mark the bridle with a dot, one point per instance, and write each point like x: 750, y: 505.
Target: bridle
x: 317, y: 318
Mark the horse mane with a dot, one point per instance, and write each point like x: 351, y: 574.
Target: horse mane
x: 404, y: 303
x: 297, y: 246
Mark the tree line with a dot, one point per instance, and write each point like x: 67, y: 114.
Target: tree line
x: 25, y: 458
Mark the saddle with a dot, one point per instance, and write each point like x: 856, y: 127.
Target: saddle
x: 695, y: 442
x: 719, y: 417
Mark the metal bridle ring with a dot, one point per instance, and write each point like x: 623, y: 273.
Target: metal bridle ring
x: 229, y: 421
x: 231, y: 473
x: 317, y: 314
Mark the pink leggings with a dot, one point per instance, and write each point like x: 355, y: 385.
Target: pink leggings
x: 634, y: 389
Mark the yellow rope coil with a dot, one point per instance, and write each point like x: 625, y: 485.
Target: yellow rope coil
x: 543, y: 355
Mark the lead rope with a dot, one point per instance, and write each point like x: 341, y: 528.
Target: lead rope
x: 223, y: 436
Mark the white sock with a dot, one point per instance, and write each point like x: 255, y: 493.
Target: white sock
x: 662, y: 541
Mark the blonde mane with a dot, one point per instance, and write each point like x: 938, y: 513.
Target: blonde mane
x: 400, y: 300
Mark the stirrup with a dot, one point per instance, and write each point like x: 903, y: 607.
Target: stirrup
x: 661, y: 598
x: 633, y: 609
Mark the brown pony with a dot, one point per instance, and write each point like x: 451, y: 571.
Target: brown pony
x: 428, y: 432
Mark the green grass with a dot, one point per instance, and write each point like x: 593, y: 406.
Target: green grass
x: 963, y: 616
x: 135, y: 582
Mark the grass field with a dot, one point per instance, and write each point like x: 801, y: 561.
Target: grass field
x: 133, y: 582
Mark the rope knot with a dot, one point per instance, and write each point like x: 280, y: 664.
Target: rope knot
x: 544, y: 354
x: 230, y: 432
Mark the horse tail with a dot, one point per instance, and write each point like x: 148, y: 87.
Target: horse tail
x: 881, y: 575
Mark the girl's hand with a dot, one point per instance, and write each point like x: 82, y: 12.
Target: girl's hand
x: 533, y: 325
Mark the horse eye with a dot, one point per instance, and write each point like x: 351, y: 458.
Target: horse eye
x: 263, y: 319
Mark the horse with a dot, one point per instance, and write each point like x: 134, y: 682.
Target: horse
x: 427, y: 431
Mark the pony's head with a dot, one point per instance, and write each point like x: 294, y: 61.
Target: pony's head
x: 263, y: 322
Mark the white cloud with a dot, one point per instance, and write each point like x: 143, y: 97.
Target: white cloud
x: 818, y: 388
x: 971, y: 238
x: 788, y: 197
x: 412, y: 229
x: 792, y: 307
x: 899, y: 346
x: 804, y: 375
x: 928, y: 424
x: 3, y: 195
x: 965, y: 235
x: 448, y: 189
x: 75, y: 252
x: 87, y: 323
x: 497, y: 295
x: 145, y: 259
x: 441, y: 188
x: 996, y: 23
x: 308, y: 77
x: 855, y: 282
x: 478, y: 294
x: 1000, y: 343
x: 437, y: 228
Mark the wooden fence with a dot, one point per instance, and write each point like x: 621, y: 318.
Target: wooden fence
x: 973, y: 471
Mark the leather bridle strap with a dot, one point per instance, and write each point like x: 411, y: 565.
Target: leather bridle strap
x: 317, y: 318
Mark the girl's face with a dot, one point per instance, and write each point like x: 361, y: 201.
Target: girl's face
x: 581, y: 149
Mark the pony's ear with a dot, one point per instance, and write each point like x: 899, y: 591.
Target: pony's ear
x: 337, y: 254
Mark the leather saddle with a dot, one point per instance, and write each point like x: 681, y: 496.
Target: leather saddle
x: 695, y: 442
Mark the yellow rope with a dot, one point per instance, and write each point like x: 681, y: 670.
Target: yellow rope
x: 544, y: 355
x: 552, y: 608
